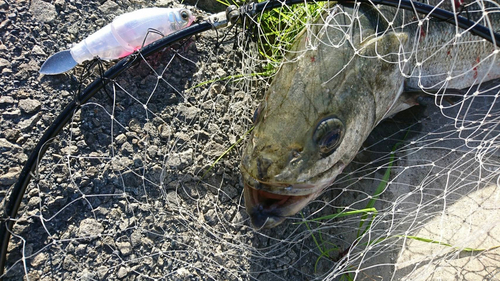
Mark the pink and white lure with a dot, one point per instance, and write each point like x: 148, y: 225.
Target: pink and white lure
x: 126, y: 34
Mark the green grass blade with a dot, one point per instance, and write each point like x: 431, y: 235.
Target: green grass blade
x: 432, y: 241
x: 342, y: 214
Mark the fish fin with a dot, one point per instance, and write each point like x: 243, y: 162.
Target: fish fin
x: 58, y: 63
x: 384, y: 44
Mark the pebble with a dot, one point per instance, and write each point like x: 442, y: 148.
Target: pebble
x: 214, y: 149
x: 87, y: 275
x: 109, y: 7
x: 124, y: 247
x: 134, y: 125
x: 7, y: 145
x: 37, y: 50
x: 81, y: 249
x: 136, y: 238
x: 122, y: 272
x: 152, y: 151
x: 188, y: 112
x: 69, y: 262
x: 120, y: 139
x: 127, y: 148
x: 165, y: 131
x: 12, y: 134
x: 6, y: 99
x: 183, y: 272
x: 39, y: 259
x: 90, y: 227
x: 182, y: 137
x: 181, y: 159
x: 28, y: 124
x: 43, y: 11
x: 13, y: 113
x: 34, y: 201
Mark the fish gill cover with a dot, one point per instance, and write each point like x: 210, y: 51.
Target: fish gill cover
x: 145, y: 183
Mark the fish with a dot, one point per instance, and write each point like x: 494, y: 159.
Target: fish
x: 344, y: 75
x: 123, y: 36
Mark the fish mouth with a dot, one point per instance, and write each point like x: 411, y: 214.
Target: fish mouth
x: 269, y: 204
x: 268, y: 210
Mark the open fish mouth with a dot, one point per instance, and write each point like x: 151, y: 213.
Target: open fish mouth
x: 267, y: 209
x: 269, y: 203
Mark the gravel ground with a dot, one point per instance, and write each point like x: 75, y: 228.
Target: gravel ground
x: 126, y: 191
x: 130, y: 198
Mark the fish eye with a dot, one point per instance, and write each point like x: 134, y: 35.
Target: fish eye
x: 328, y: 135
x: 185, y: 15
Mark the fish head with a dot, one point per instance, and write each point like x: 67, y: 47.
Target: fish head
x: 315, y: 116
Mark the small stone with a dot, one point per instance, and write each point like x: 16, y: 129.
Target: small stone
x: 7, y: 145
x: 43, y: 11
x: 6, y: 99
x: 4, y: 63
x: 80, y: 250
x: 122, y: 272
x: 12, y: 134
x: 86, y: 275
x: 39, y: 259
x: 211, y: 217
x: 7, y: 70
x: 16, y: 112
x: 188, y: 112
x: 29, y: 106
x: 214, y: 149
x: 183, y: 272
x: 182, y: 137
x: 121, y: 163
x: 109, y: 7
x: 4, y: 23
x: 220, y: 72
x: 124, y: 247
x: 28, y: 124
x: 90, y: 227
x: 120, y: 139
x: 60, y: 3
x: 136, y: 238
x: 70, y: 263
x: 152, y: 151
x: 165, y: 131
x: 180, y: 160
x: 217, y: 89
x: 37, y: 50
x: 151, y: 129
x: 134, y: 125
x: 127, y: 148
x: 34, y: 201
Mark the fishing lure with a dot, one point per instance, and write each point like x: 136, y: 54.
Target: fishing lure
x: 126, y: 34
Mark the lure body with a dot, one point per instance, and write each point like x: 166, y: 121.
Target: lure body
x: 126, y: 34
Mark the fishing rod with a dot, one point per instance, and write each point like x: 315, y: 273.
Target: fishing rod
x: 231, y: 16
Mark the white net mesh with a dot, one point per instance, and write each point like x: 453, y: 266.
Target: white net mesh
x: 127, y: 191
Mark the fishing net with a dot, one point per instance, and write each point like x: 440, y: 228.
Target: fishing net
x: 144, y: 182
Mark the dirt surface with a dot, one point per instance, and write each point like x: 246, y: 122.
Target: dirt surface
x: 133, y: 196
x: 127, y: 192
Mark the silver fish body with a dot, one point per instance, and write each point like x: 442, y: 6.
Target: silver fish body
x: 323, y: 103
